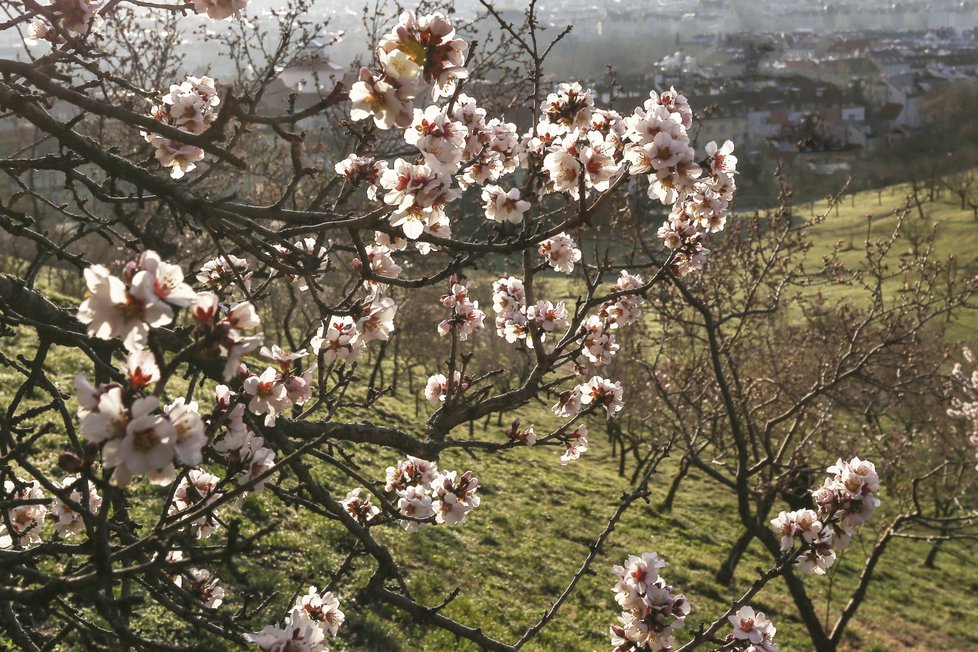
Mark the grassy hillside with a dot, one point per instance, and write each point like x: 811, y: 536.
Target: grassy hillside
x: 521, y: 547
x: 846, y: 226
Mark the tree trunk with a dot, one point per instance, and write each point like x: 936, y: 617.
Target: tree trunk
x: 931, y: 560
x: 864, y: 579
x: 395, y: 372
x: 803, y: 603
x: 726, y: 572
x: 670, y: 498
x: 377, y: 370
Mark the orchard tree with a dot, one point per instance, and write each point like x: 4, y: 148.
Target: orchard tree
x: 232, y: 271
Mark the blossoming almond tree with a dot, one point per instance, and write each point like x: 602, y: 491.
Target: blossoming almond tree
x: 238, y: 270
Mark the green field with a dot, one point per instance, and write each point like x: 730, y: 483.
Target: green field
x: 518, y: 550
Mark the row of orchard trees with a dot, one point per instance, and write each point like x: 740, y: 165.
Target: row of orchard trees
x: 245, y: 280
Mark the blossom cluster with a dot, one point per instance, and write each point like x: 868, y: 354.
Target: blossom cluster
x: 515, y: 320
x: 224, y: 271
x: 343, y: 338
x: 574, y: 146
x: 28, y: 508
x: 583, y: 147
x: 278, y: 387
x: 418, y: 50
x: 314, y: 618
x: 26, y: 514
x: 220, y: 9
x: 192, y: 107
x: 753, y: 631
x: 577, y: 445
x: 136, y: 432
x: 68, y: 17
x: 424, y: 492
x: 844, y: 502
x: 436, y: 389
x: 596, y: 392
x: 199, y: 582
x: 72, y: 491
x: 128, y: 308
x: 964, y: 399
x: 245, y: 453
x: 466, y: 318
x: 651, y: 611
x: 560, y: 252
x: 358, y: 504
x: 599, y: 342
x: 198, y: 489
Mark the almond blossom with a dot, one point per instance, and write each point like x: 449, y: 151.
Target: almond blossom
x: 338, y: 340
x: 601, y: 392
x: 188, y: 427
x: 376, y: 320
x: 362, y: 169
x: 803, y: 523
x: 384, y: 99
x: 190, y: 106
x: 425, y: 492
x: 568, y: 108
x: 323, y: 608
x: 436, y: 389
x: 438, y: 137
x: 204, y: 586
x: 112, y: 311
x: 599, y: 343
x: 298, y: 632
x: 502, y: 206
x: 70, y: 522
x: 147, y: 447
x: 267, y: 393
x: 25, y: 513
x: 429, y: 41
x: 563, y: 167
x: 220, y: 9
x: 142, y: 369
x: 561, y: 252
x: 410, y: 472
x: 754, y: 629
x: 415, y: 503
x: 577, y: 445
x: 651, y: 611
x: 380, y: 263
x: 224, y: 271
x: 359, y: 506
x: 219, y: 329
x: 548, y: 316
x: 197, y: 488
x: 75, y: 16
x: 509, y: 304
x: 466, y: 318
x: 844, y: 502
x: 454, y: 496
